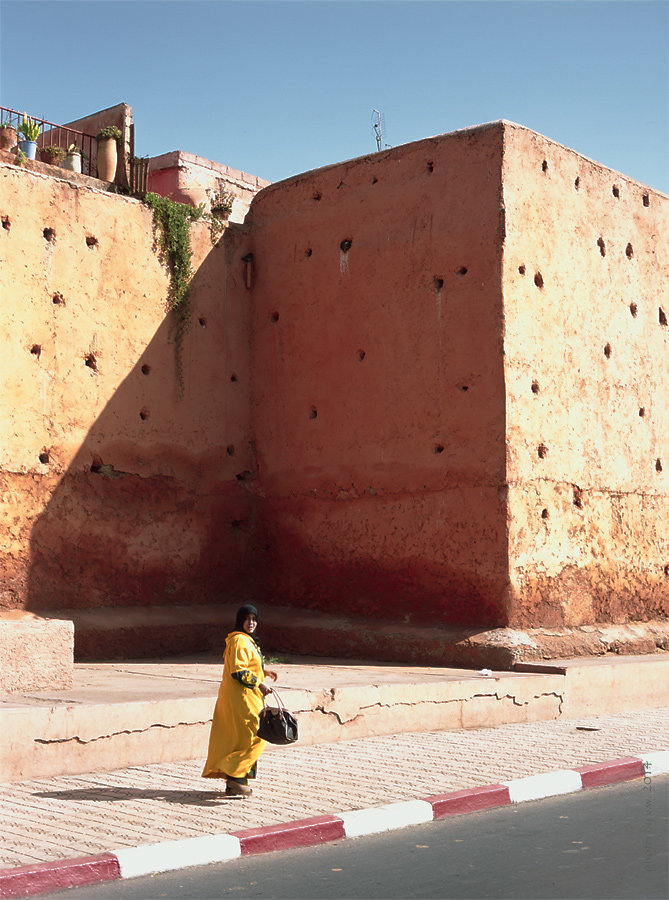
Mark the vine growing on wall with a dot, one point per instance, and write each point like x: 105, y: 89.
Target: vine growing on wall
x: 172, y: 221
x: 221, y: 207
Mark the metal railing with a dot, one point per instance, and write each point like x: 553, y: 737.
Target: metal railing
x: 53, y: 135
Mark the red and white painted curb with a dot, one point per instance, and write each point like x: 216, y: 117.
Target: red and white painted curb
x: 168, y: 856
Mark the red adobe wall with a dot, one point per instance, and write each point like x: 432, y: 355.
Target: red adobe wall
x: 377, y: 384
x: 113, y: 492
x: 586, y: 304
x: 435, y: 392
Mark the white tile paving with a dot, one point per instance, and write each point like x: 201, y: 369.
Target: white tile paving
x: 67, y: 816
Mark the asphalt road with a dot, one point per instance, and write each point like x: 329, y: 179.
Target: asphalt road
x: 609, y: 842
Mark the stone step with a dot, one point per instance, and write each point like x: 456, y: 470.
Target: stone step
x: 135, y: 632
x: 140, y: 712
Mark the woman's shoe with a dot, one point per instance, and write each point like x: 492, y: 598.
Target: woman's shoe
x: 235, y: 789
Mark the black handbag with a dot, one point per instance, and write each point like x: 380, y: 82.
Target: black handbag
x: 277, y: 726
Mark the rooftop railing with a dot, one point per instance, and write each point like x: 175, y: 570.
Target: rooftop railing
x: 53, y: 135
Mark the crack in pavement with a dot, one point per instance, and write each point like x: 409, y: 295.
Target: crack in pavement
x: 105, y: 737
x: 499, y: 697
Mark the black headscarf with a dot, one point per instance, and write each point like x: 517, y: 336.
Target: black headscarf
x: 242, y: 613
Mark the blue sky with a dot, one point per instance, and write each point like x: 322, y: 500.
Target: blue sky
x: 281, y: 87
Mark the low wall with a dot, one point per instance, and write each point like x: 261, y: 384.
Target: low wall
x: 99, y: 726
x: 35, y: 653
x: 121, y: 116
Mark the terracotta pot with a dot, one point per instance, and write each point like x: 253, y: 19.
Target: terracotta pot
x: 7, y: 138
x: 50, y: 158
x: 107, y: 159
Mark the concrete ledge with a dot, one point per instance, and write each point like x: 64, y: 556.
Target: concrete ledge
x: 594, y: 687
x: 35, y: 653
x: 72, y: 738
x: 151, y: 717
x: 123, y: 714
x: 133, y: 632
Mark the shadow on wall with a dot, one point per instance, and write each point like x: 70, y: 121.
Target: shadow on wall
x: 167, y: 501
x: 150, y: 509
x: 359, y: 577
x: 377, y: 310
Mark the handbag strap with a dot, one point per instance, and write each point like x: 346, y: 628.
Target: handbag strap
x: 279, y: 701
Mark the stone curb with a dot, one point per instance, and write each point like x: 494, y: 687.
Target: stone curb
x: 24, y: 881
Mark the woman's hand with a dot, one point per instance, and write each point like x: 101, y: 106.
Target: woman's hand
x: 264, y: 690
x: 270, y: 674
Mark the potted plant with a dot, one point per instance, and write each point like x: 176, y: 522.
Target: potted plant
x: 7, y: 135
x: 30, y: 129
x: 52, y: 155
x: 108, y: 139
x: 72, y: 159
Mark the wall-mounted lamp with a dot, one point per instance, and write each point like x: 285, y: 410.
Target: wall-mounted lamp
x: 248, y: 259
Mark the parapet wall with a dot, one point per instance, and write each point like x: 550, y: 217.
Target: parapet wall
x: 191, y: 179
x: 120, y: 116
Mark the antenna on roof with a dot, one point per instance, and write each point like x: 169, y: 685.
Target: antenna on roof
x: 378, y: 127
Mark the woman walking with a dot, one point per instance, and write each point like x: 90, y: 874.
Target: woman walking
x: 234, y: 746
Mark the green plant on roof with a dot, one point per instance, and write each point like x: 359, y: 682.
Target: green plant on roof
x: 109, y: 132
x: 53, y: 152
x: 221, y: 207
x: 221, y: 203
x: 29, y: 128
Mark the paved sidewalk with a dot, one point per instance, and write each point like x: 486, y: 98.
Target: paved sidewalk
x: 53, y: 820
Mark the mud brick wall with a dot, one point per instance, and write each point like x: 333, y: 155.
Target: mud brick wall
x: 114, y: 492
x: 377, y: 398
x: 428, y: 385
x: 460, y: 363
x: 586, y: 303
